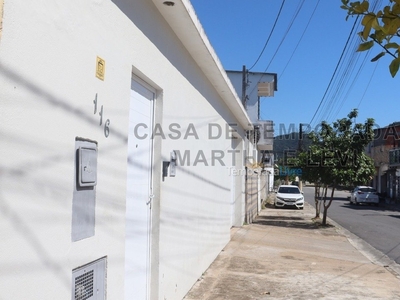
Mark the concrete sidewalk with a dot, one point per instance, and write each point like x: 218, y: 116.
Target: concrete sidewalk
x: 285, y: 255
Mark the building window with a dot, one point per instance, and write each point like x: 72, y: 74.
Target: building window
x: 394, y: 157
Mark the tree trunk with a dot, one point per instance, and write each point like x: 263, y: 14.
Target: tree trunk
x: 319, y: 206
x: 316, y: 199
x: 324, y: 215
x: 325, y: 191
x: 328, y: 205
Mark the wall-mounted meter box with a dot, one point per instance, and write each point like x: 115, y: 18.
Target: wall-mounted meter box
x: 87, y: 171
x: 84, y: 196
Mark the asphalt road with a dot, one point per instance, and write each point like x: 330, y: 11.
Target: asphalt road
x: 377, y: 226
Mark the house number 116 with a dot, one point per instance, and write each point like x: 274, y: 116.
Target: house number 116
x: 107, y: 122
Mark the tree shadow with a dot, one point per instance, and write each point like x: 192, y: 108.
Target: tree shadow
x: 287, y: 222
x: 335, y: 198
x: 362, y: 206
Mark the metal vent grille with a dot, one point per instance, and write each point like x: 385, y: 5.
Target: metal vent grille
x: 84, y: 286
x: 89, y: 281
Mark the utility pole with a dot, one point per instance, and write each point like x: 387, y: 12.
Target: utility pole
x: 244, y: 86
x: 300, y: 137
x: 246, y: 177
x: 300, y: 149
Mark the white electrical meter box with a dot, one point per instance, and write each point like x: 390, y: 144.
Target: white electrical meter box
x: 87, y: 172
x: 84, y: 195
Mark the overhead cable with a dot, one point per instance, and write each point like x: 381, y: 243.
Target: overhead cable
x: 301, y: 37
x: 270, y: 34
x: 280, y: 44
x: 334, y: 73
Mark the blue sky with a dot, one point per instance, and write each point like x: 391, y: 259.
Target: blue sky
x: 304, y: 50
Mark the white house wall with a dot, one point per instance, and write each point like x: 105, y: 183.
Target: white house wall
x: 48, y: 53
x: 195, y: 208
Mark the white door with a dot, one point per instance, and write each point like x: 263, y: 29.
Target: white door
x: 233, y: 195
x: 236, y: 174
x: 139, y: 192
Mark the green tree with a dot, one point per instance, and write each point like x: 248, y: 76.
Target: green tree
x: 381, y: 28
x: 312, y: 171
x: 337, y: 157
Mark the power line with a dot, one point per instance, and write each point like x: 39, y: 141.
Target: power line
x: 297, y: 45
x: 345, y: 78
x: 369, y: 82
x: 270, y: 34
x: 351, y: 86
x: 281, y: 42
x: 302, y: 35
x: 334, y: 73
x: 358, y: 74
x: 285, y: 35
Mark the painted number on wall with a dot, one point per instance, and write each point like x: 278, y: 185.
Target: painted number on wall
x: 101, y: 112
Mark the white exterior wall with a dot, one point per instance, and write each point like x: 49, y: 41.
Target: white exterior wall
x: 47, y: 88
x: 48, y: 52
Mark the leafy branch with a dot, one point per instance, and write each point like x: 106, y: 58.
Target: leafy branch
x: 378, y: 28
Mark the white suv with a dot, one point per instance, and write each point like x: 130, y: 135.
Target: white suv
x: 289, y: 195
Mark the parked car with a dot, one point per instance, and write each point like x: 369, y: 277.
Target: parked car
x: 364, y: 194
x: 289, y: 195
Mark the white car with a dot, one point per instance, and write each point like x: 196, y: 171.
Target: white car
x: 364, y: 194
x: 290, y: 196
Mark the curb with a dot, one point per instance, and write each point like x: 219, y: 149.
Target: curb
x: 372, y: 254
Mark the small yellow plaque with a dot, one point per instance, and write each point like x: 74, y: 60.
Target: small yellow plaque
x: 100, y: 68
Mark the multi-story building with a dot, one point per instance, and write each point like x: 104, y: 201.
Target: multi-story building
x: 384, y: 151
x: 252, y: 86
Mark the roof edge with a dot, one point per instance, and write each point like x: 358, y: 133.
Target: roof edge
x: 192, y: 35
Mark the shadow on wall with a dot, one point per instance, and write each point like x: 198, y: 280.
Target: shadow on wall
x: 54, y: 100
x: 29, y: 167
x: 17, y: 221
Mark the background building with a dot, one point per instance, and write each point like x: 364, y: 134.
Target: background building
x: 252, y: 86
x: 383, y: 150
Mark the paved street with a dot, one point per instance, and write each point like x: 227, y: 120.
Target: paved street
x: 377, y: 226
